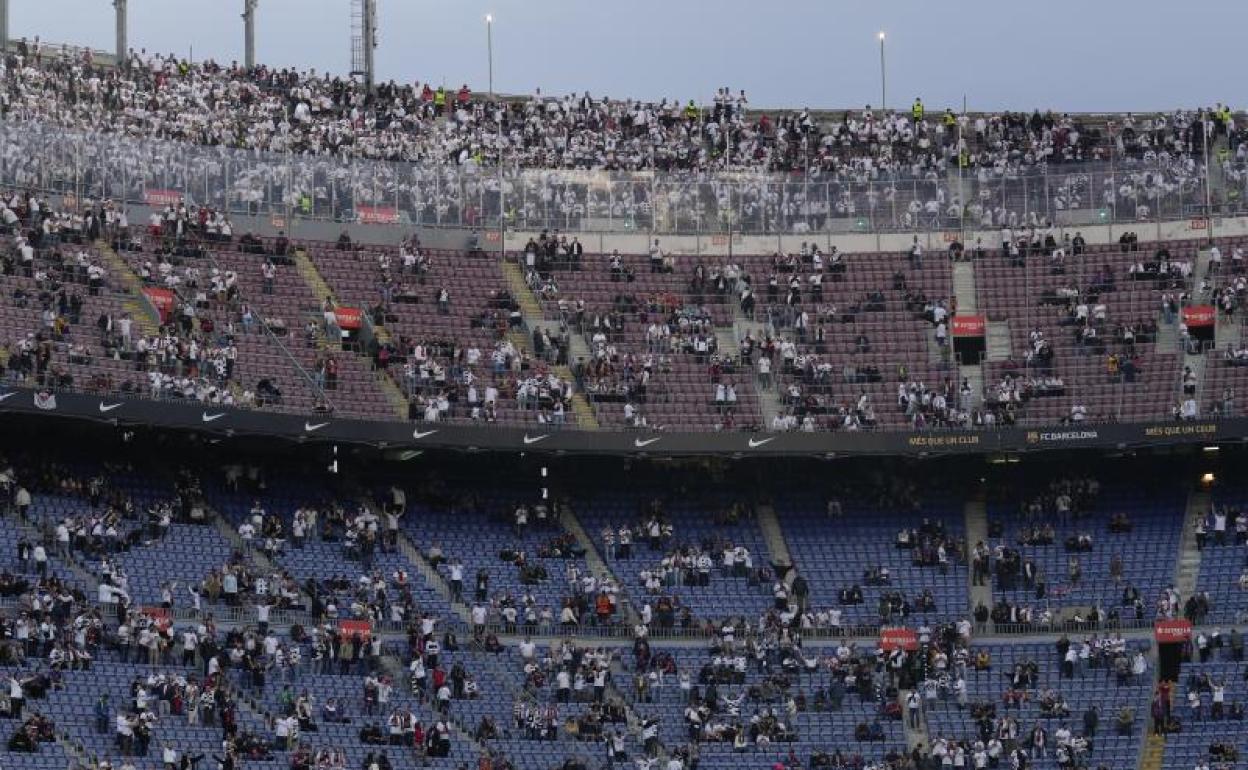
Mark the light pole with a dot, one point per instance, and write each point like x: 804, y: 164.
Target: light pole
x: 249, y: 34
x: 883, y: 77
x: 489, y: 47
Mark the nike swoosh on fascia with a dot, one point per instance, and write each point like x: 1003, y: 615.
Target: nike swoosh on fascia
x: 534, y: 439
x: 640, y: 442
x: 210, y: 417
x: 423, y: 434
x: 104, y: 408
x: 313, y: 426
x: 756, y: 444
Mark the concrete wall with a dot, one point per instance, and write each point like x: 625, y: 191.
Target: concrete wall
x: 712, y: 245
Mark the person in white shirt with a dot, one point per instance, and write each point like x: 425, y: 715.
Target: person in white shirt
x: 40, y: 556
x: 17, y: 697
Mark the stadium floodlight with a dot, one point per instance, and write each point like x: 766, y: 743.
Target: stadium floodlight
x: 249, y: 34
x: 120, y: 24
x: 489, y: 48
x: 883, y: 76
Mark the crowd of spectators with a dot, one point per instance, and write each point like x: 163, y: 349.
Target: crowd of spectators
x: 306, y: 138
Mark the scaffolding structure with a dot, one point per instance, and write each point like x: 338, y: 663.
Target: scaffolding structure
x: 363, y: 39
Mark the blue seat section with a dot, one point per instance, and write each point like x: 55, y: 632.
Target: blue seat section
x: 831, y: 551
x: 72, y: 707
x: 1155, y: 512
x: 834, y: 554
x: 179, y: 557
x: 481, y: 531
x: 812, y: 729
x: 695, y: 522
x: 10, y: 536
x: 1191, y: 745
x: 1094, y: 684
x: 1223, y: 566
x: 317, y: 559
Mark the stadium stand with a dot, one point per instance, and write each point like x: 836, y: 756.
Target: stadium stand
x: 851, y: 342
x: 186, y: 600
x: 317, y: 619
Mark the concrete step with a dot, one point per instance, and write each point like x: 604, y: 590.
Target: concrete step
x: 773, y: 535
x: 915, y: 736
x: 141, y: 311
x: 937, y: 354
x: 1187, y: 566
x: 586, y: 417
x: 1200, y: 268
x: 769, y: 404
x: 598, y: 566
x: 529, y: 306
x: 464, y: 733
x: 973, y: 376
x: 1229, y: 332
x: 997, y: 341
x: 1154, y: 753
x: 432, y: 577
x: 321, y: 289
x: 964, y: 287
x: 727, y: 342
x: 531, y: 310
x: 975, y: 518
x: 1197, y: 364
x: 1167, y: 335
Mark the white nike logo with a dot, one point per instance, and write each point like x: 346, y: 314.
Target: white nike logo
x: 309, y: 427
x: 210, y: 417
x: 108, y: 407
x: 535, y: 439
x: 755, y: 444
x: 6, y: 396
x: 418, y: 434
x: 640, y: 442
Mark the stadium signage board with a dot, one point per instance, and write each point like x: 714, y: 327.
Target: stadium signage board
x: 969, y: 325
x: 353, y: 628
x: 348, y: 318
x: 162, y: 198
x: 1198, y: 315
x: 898, y: 638
x: 214, y: 419
x: 377, y: 215
x: 162, y: 300
x: 1173, y: 630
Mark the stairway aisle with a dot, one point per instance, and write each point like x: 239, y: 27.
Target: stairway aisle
x: 916, y: 736
x: 997, y: 341
x: 975, y: 514
x: 321, y: 289
x: 964, y: 287
x: 531, y: 310
x: 597, y: 565
x: 1187, y: 570
x: 773, y: 535
x: 141, y: 311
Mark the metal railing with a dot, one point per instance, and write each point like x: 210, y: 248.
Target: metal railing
x: 157, y: 172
